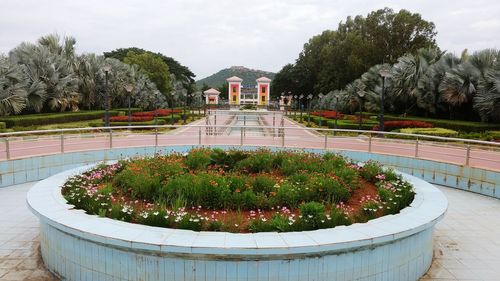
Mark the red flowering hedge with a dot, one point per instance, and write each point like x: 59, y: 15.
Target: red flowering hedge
x: 159, y: 112
x: 327, y: 114
x: 133, y: 119
x: 394, y: 125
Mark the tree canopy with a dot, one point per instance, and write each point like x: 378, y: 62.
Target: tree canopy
x: 180, y: 71
x: 154, y: 67
x: 335, y: 58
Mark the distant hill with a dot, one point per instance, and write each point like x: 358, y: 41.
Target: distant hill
x: 248, y: 75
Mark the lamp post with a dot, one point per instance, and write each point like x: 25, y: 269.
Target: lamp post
x: 185, y: 94
x: 106, y: 69
x: 384, y: 73
x: 129, y: 88
x: 300, y: 105
x: 295, y: 98
x: 336, y: 110
x: 320, y: 96
x: 172, y: 110
x: 309, y: 98
x: 360, y: 95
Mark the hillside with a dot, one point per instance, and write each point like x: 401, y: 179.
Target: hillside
x: 248, y: 75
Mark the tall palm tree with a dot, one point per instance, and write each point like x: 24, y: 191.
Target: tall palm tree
x: 428, y: 95
x: 48, y: 66
x: 373, y: 87
x: 350, y: 100
x: 12, y: 88
x: 459, y: 84
x: 407, y: 72
x: 487, y: 100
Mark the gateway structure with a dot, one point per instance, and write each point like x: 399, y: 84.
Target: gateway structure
x: 238, y: 94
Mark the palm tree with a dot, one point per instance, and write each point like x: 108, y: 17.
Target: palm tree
x: 487, y: 100
x: 49, y: 68
x: 12, y: 88
x: 459, y: 85
x: 428, y: 95
x: 407, y: 72
x: 373, y: 87
x: 350, y: 100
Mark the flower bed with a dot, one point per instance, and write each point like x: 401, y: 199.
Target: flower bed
x: 240, y: 191
x: 158, y: 112
x: 132, y: 118
x: 395, y: 125
x: 330, y: 114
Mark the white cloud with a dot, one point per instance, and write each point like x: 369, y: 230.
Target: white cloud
x: 210, y: 35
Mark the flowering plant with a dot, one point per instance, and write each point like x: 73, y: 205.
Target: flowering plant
x: 239, y: 191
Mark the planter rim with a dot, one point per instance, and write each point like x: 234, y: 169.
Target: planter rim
x: 47, y: 203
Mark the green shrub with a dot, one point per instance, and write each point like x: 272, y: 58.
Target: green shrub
x: 457, y: 125
x: 338, y: 217
x: 53, y: 118
x: 263, y: 184
x: 438, y: 132
x: 122, y: 124
x: 2, y: 125
x: 198, y: 159
x: 370, y: 170
x: 313, y: 215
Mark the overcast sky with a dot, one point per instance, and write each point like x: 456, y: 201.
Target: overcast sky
x: 210, y: 35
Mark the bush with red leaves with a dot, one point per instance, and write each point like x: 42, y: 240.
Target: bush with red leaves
x: 330, y: 114
x: 394, y: 125
x: 159, y: 112
x: 133, y: 119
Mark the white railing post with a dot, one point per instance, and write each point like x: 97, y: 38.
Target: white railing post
x: 110, y: 139
x: 199, y: 135
x: 370, y: 143
x: 326, y: 140
x: 7, y: 148
x: 62, y: 142
x: 416, y: 148
x: 156, y: 137
x: 242, y: 131
x: 467, y: 155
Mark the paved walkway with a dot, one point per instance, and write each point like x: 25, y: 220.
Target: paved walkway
x: 295, y: 136
x: 467, y: 244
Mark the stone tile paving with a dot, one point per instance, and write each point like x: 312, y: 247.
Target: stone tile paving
x: 467, y: 244
x: 19, y: 236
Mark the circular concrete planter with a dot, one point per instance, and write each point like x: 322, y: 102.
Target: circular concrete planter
x: 77, y: 246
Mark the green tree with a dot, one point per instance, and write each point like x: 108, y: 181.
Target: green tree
x: 154, y: 67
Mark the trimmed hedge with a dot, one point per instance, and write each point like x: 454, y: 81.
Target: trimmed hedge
x: 53, y: 118
x: 113, y: 124
x: 456, y: 125
x: 438, y: 132
x: 2, y: 125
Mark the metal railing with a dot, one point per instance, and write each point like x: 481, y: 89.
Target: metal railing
x: 466, y: 152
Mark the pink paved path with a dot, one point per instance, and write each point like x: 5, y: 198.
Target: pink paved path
x: 295, y: 136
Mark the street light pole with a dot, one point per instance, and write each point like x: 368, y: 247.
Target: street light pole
x: 384, y: 73
x: 360, y: 95
x: 129, y: 88
x: 336, y: 110
x: 309, y: 98
x: 106, y: 69
x: 300, y: 105
x: 296, y: 106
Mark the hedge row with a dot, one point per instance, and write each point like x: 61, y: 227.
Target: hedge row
x: 116, y: 124
x: 456, y: 125
x: 53, y: 118
x: 2, y: 125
